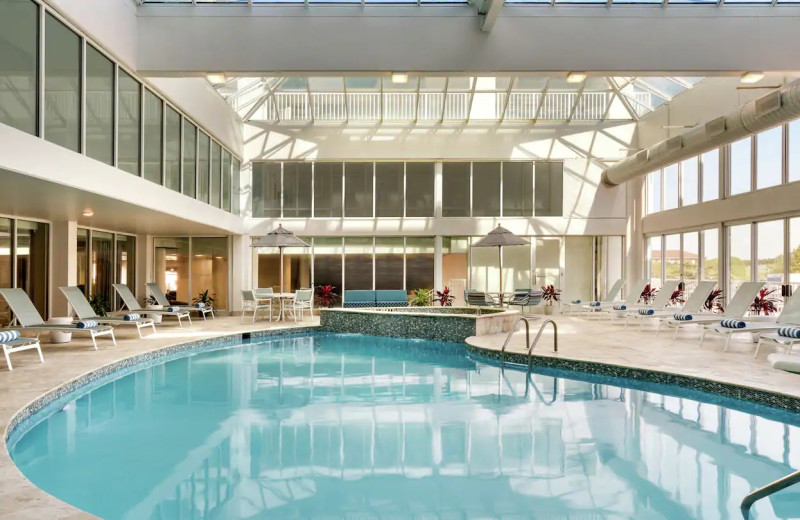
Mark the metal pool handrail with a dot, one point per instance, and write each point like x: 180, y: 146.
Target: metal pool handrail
x: 539, y: 335
x: 511, y: 333
x: 769, y: 489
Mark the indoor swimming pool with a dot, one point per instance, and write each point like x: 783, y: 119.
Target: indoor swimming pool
x: 336, y: 426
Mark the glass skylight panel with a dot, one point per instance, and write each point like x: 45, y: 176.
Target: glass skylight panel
x: 411, y: 84
x: 581, y: 1
x: 362, y: 83
x: 459, y: 83
x: 295, y: 83
x: 432, y: 83
x: 326, y: 84
x: 530, y: 83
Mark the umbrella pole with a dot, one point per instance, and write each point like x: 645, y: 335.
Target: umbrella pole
x: 500, y: 258
x: 281, y: 288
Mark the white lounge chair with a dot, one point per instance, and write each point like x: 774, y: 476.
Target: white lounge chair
x: 737, y: 307
x: 162, y: 300
x: 693, y: 303
x: 83, y: 309
x: 28, y: 317
x: 11, y: 341
x: 133, y: 305
x: 611, y: 296
x: 659, y: 302
x: 634, y: 293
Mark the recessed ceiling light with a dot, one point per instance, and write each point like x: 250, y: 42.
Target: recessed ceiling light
x: 752, y: 77
x: 399, y: 78
x: 88, y: 212
x: 576, y: 77
x: 216, y: 78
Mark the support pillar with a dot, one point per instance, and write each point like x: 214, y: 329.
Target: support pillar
x: 64, y: 264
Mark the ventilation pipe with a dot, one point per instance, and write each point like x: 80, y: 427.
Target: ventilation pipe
x: 777, y: 107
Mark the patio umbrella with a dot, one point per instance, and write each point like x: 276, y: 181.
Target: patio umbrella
x: 279, y: 238
x: 498, y: 238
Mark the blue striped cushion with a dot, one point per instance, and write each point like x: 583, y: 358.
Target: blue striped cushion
x: 174, y: 309
x: 683, y: 317
x: 647, y: 312
x: 86, y: 324
x: 576, y: 302
x: 731, y: 323
x: 789, y: 332
x: 199, y: 305
x: 595, y: 304
x: 620, y: 307
x: 8, y: 335
x: 131, y: 317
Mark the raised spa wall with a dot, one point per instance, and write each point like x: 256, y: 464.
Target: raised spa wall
x: 435, y: 323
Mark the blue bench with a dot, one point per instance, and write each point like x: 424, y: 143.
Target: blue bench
x: 381, y: 298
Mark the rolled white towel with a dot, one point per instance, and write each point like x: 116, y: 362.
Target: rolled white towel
x: 86, y: 324
x: 131, y: 317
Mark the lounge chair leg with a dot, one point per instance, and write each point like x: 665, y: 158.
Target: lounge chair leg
x: 658, y: 328
x: 39, y: 350
x: 94, y: 340
x: 189, y: 317
x: 139, y: 330
x: 8, y: 359
x: 702, y: 338
x: 675, y: 336
x: 113, y: 338
x: 153, y: 324
x: 727, y: 342
x: 758, y: 348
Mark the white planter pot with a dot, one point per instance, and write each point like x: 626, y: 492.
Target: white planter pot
x: 549, y: 310
x: 58, y: 336
x: 157, y: 316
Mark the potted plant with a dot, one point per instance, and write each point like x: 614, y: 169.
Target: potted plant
x: 714, y: 302
x: 99, y: 304
x: 325, y: 296
x: 204, y: 298
x: 444, y: 297
x: 550, y: 295
x: 648, y: 294
x: 766, y: 301
x: 152, y: 303
x: 421, y: 298
x: 677, y: 297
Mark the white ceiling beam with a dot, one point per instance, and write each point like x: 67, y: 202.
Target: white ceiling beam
x: 492, y: 13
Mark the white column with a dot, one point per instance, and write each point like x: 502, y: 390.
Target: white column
x: 145, y: 265
x: 64, y: 264
x: 242, y: 270
x: 437, y: 262
x: 634, y: 240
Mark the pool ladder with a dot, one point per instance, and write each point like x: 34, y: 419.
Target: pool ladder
x: 528, y: 338
x: 769, y: 489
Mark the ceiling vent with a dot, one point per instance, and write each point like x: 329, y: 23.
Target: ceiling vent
x: 715, y: 127
x: 671, y: 145
x: 769, y: 103
x: 641, y: 157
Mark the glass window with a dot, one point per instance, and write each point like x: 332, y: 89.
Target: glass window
x: 357, y: 190
x: 794, y: 251
x: 518, y: 189
x: 189, y: 158
x: 126, y: 262
x: 82, y: 274
x: 689, y: 181
x: 32, y: 261
x: 794, y: 150
x: 671, y: 187
x: 62, y: 87
x: 216, y: 174
x: 203, y: 164
x: 419, y: 189
x: 297, y: 189
x: 769, y: 158
x: 486, y: 189
x: 172, y: 149
x: 101, y: 266
x: 770, y: 253
x: 172, y: 268
x: 5, y: 255
x: 328, y: 190
x: 419, y: 263
x: 210, y: 269
x: 654, y: 192
x: 266, y: 190
x: 389, y: 198
x: 455, y: 189
x: 236, y: 176
x: 296, y: 267
x: 741, y: 164
x: 739, y: 241
x: 710, y: 254
x: 389, y: 263
x: 455, y: 266
x: 153, y: 125
x: 654, y: 253
x: 226, y: 180
x: 484, y: 274
x: 672, y: 257
x: 358, y: 263
x: 19, y: 67
x: 691, y: 260
x: 99, y: 106
x: 129, y: 114
x: 328, y: 264
x: 549, y: 188
x: 710, y: 161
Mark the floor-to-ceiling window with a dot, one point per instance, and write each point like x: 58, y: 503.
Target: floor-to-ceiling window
x: 125, y: 265
x: 5, y: 264
x: 215, y: 179
x: 62, y: 89
x: 189, y: 173
x: 31, y: 255
x: 455, y: 265
x: 419, y: 189
x: 101, y: 265
x: 226, y: 180
x: 297, y: 182
x: 103, y: 259
x: 153, y: 128
x: 456, y: 189
x: 203, y: 167
x: 172, y: 268
x: 655, y: 256
x: 82, y: 259
x: 19, y: 71
x: 389, y: 262
x: 769, y: 158
x: 328, y: 264
x: 296, y: 267
x: 485, y: 189
x: 690, y: 258
x: 172, y: 149
x: 128, y: 126
x: 741, y: 166
x: 419, y: 263
x: 210, y: 269
x: 358, y: 263
x: 739, y: 256
x: 100, y: 72
x: 770, y: 254
x: 710, y: 260
x: 389, y: 191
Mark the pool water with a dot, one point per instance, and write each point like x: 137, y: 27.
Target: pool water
x: 352, y: 427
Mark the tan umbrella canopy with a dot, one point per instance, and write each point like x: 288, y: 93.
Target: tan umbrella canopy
x: 498, y: 238
x: 279, y: 238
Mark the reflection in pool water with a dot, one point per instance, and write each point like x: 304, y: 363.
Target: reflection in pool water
x: 336, y: 426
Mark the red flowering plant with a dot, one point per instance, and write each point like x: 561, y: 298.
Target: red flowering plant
x: 550, y: 294
x: 714, y: 302
x: 677, y: 297
x: 444, y: 297
x: 325, y: 296
x: 648, y: 294
x: 766, y: 301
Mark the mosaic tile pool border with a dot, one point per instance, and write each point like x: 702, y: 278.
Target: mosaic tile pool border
x: 136, y: 362
x: 727, y: 390
x: 456, y: 328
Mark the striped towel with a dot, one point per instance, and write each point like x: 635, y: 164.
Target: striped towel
x: 131, y: 317
x: 647, y: 312
x: 595, y: 304
x: 620, y: 307
x: 8, y: 335
x: 173, y: 309
x: 199, y: 305
x: 86, y: 324
x: 789, y: 332
x: 730, y: 323
x: 683, y: 317
x: 576, y: 302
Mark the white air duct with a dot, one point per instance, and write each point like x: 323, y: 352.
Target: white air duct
x: 777, y: 107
